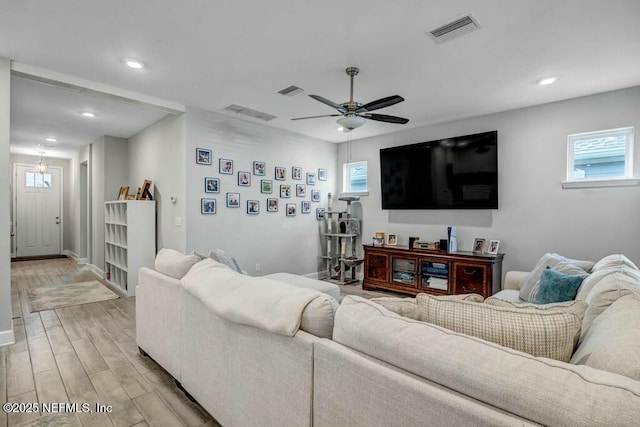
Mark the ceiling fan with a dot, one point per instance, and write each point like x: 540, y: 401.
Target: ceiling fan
x: 353, y: 114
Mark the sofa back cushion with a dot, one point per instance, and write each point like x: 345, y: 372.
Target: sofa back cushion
x: 544, y: 333
x: 616, y: 260
x: 613, y: 340
x: 531, y: 283
x: 611, y: 287
x: 267, y: 304
x: 542, y: 390
x: 175, y: 264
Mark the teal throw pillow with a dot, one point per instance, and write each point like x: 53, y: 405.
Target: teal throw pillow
x: 557, y: 287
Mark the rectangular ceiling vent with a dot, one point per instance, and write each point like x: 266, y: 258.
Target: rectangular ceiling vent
x: 291, y: 91
x: 250, y: 113
x: 454, y: 29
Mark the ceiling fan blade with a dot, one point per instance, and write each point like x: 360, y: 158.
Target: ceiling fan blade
x: 329, y: 103
x: 381, y: 103
x: 315, y: 117
x: 385, y: 118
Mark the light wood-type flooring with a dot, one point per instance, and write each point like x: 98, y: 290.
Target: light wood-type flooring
x: 84, y: 354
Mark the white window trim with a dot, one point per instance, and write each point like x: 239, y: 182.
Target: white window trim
x: 626, y: 180
x: 345, y: 178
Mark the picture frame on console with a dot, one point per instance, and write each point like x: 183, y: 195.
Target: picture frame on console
x: 478, y: 245
x: 493, y: 247
x: 392, y: 239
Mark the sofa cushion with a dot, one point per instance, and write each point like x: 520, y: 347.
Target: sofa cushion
x: 616, y: 260
x: 607, y: 291
x: 542, y: 390
x: 544, y: 333
x: 318, y: 316
x: 613, y: 340
x: 555, y: 286
x: 220, y: 256
x: 408, y: 307
x: 596, y: 277
x: 175, y: 264
x: 530, y: 285
x: 305, y: 282
x: 263, y: 303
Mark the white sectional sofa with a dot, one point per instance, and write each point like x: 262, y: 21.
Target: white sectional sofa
x: 369, y: 366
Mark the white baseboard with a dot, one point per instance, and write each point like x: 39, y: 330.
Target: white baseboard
x: 99, y: 272
x: 7, y: 337
x: 75, y: 257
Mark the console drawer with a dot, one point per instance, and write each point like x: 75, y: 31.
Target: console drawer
x: 470, y: 273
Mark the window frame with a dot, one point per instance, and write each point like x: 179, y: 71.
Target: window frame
x: 628, y: 132
x: 346, y: 179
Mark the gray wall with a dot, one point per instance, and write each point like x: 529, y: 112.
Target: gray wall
x: 536, y: 215
x: 277, y: 242
x: 65, y: 164
x: 76, y: 210
x: 158, y: 153
x: 108, y: 173
x: 6, y: 326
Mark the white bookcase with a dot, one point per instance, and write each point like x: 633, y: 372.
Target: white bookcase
x: 130, y: 241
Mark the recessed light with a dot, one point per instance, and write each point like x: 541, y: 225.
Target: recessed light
x: 51, y: 139
x: 133, y: 63
x: 88, y: 114
x: 547, y: 81
x: 340, y: 129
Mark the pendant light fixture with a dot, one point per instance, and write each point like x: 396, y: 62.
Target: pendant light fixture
x: 41, y: 165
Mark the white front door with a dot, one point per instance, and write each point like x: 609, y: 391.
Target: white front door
x: 38, y: 216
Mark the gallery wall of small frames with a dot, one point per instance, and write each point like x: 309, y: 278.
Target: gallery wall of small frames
x: 258, y: 174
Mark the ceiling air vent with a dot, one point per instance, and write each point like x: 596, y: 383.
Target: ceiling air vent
x: 249, y: 112
x: 456, y: 28
x: 291, y: 91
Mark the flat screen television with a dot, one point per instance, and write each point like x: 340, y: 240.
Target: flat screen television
x: 451, y: 173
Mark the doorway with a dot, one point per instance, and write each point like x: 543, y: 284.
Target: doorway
x: 37, y: 211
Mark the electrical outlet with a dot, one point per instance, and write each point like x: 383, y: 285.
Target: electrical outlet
x: 257, y: 267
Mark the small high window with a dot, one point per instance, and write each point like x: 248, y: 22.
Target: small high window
x: 354, y: 177
x: 38, y: 180
x: 605, y: 154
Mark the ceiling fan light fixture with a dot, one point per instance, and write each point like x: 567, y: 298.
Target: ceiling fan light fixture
x: 350, y: 122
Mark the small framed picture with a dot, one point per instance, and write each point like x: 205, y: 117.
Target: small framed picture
x: 311, y: 178
x: 319, y: 213
x: 392, y: 239
x: 493, y: 247
x: 259, y: 168
x: 266, y: 186
x: 203, y: 156
x: 322, y: 174
x: 272, y: 205
x: 380, y: 237
x: 253, y: 207
x: 315, y: 195
x: 296, y: 173
x: 478, y: 245
x: 208, y: 206
x: 233, y: 200
x: 281, y: 173
x: 211, y: 185
x: 225, y: 166
x: 301, y: 190
x: 145, y: 191
x: 244, y: 179
x: 285, y: 191
x: 305, y: 207
x: 124, y: 193
x: 291, y: 209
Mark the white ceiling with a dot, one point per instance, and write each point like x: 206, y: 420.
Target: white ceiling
x: 212, y: 54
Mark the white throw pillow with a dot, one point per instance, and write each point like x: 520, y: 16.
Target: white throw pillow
x: 616, y: 260
x: 175, y: 264
x: 531, y: 284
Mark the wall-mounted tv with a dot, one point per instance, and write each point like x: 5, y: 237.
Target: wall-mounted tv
x: 451, y: 173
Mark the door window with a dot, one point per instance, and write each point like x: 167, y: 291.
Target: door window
x: 38, y: 180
